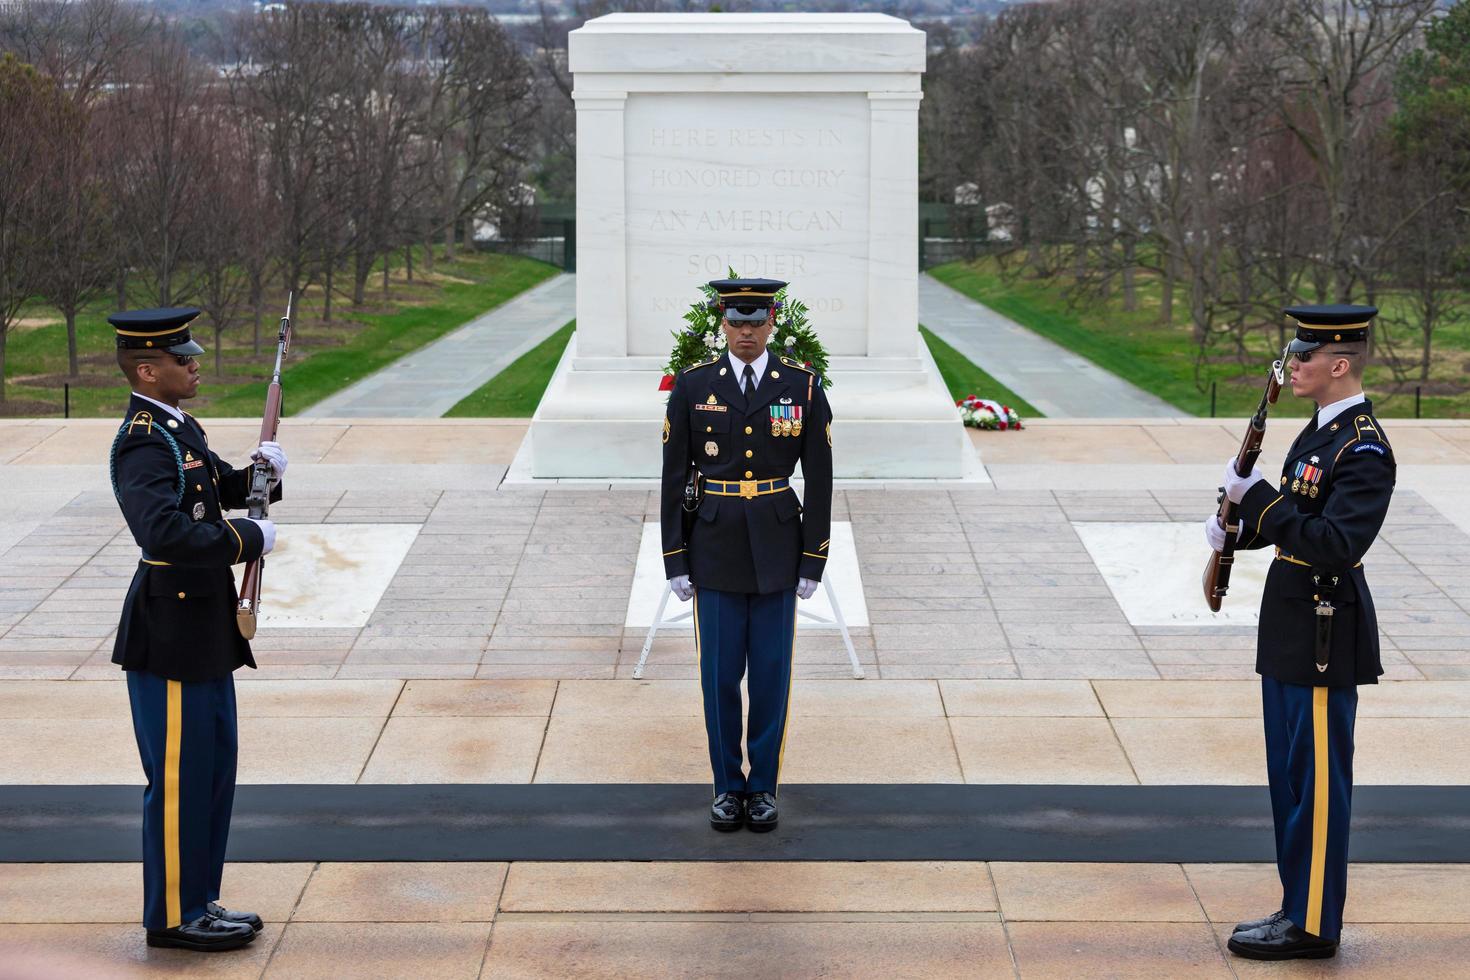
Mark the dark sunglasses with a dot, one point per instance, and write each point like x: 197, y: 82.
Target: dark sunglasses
x: 182, y: 360
x: 1307, y: 355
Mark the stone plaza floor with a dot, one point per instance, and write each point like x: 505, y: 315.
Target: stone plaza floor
x: 1044, y: 627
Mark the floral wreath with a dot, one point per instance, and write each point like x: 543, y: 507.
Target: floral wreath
x: 982, y: 413
x: 702, y: 337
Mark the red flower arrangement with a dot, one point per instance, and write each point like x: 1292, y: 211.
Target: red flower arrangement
x: 983, y: 413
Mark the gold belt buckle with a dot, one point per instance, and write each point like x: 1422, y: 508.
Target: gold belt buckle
x: 747, y: 489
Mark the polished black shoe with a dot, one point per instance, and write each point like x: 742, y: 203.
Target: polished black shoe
x: 760, y: 812
x: 205, y: 934
x: 1271, y: 919
x: 220, y: 912
x: 727, y: 812
x: 1280, y: 941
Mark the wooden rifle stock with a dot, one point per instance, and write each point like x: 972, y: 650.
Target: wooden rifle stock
x: 1216, y: 579
x: 262, y: 482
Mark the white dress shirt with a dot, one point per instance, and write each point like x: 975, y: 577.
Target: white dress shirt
x: 758, y: 366
x: 1327, y: 413
x: 176, y: 413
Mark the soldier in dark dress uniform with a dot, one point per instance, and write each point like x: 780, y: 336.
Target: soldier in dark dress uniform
x: 739, y: 424
x: 1318, y: 636
x: 177, y: 640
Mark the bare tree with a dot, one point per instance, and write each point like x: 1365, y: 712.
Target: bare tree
x: 29, y: 103
x: 480, y: 112
x: 74, y: 259
x: 81, y: 44
x: 282, y: 79
x: 160, y: 140
x: 232, y: 191
x: 1018, y: 139
x: 1328, y: 51
x: 378, y: 115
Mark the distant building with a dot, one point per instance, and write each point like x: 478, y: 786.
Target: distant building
x: 488, y: 223
x: 1000, y: 222
x: 967, y: 194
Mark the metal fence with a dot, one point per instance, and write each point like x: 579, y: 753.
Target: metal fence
x: 942, y: 238
x: 949, y: 234
x: 554, y: 240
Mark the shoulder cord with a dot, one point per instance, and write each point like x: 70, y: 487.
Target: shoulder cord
x: 172, y: 444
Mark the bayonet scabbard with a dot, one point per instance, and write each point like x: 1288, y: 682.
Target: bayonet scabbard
x: 1324, y: 610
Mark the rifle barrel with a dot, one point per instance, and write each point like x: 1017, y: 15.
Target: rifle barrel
x: 1216, y: 578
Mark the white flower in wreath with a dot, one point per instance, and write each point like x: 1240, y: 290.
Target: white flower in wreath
x: 709, y: 321
x: 711, y: 341
x: 789, y: 340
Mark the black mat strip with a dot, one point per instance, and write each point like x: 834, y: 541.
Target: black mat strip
x: 662, y: 822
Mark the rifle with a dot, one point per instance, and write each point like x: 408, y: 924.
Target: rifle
x: 1216, y: 579
x: 258, y: 500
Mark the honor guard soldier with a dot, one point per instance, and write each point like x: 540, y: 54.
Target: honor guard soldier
x: 177, y: 640
x: 738, y: 540
x: 1318, y: 635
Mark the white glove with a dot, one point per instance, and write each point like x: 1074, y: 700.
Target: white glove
x: 1214, y: 533
x: 1236, y: 486
x: 682, y: 588
x: 806, y: 588
x: 268, y: 529
x: 271, y: 452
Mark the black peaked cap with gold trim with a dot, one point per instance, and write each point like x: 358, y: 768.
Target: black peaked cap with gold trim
x: 164, y: 329
x: 746, y: 300
x: 1318, y: 325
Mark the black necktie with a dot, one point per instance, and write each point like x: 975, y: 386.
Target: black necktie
x: 747, y: 380
x: 1304, y: 435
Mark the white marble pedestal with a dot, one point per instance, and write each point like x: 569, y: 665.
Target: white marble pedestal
x: 785, y: 146
x: 602, y: 418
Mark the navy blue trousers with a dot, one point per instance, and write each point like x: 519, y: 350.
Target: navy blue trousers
x: 1309, y: 762
x: 735, y: 632
x: 187, y: 741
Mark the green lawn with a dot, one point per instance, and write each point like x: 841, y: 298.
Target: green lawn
x: 325, y: 356
x: 1162, y: 359
x: 963, y: 377
x: 515, y: 392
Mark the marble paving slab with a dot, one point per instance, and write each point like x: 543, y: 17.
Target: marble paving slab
x: 330, y: 575
x: 649, y: 585
x: 1153, y: 570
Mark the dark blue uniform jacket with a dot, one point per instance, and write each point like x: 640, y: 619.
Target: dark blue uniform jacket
x: 1322, y: 516
x: 762, y: 544
x: 179, y: 618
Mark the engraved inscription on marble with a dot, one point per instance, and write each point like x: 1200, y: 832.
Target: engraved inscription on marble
x: 786, y: 201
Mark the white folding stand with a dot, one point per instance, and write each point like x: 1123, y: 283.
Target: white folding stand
x: 659, y: 621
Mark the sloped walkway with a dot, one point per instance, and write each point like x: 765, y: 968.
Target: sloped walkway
x: 1059, y: 383
x: 431, y: 381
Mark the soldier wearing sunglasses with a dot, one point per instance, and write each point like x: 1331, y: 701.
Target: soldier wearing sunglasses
x: 1318, y: 634
x: 177, y: 641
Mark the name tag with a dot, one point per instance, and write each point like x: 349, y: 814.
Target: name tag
x: 712, y: 408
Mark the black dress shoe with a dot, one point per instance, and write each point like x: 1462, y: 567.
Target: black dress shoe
x: 1259, y: 923
x: 220, y: 912
x: 727, y: 812
x: 205, y: 934
x: 760, y: 812
x: 1280, y: 941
